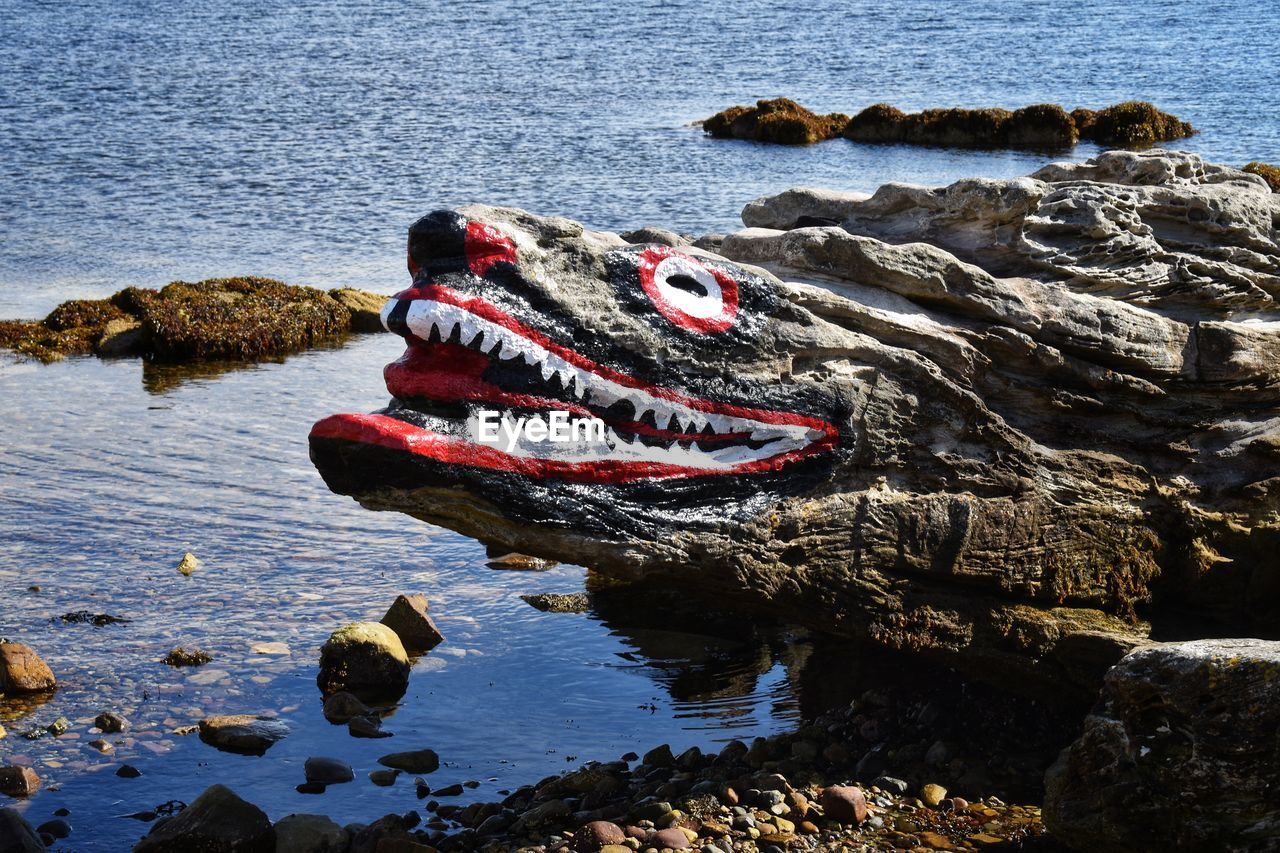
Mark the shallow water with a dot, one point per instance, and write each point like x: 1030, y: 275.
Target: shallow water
x: 104, y: 485
x: 143, y: 143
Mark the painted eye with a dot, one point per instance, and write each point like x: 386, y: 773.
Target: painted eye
x: 693, y: 296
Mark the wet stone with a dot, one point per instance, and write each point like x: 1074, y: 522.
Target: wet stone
x: 18, y: 781
x: 242, y: 733
x: 328, y: 771
x: 110, y: 723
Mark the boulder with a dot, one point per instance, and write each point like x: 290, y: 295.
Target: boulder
x: 415, y: 761
x: 22, y: 670
x: 844, y: 803
x: 781, y: 121
x: 16, y: 835
x: 342, y: 707
x: 591, y: 837
x: 18, y: 781
x: 217, y: 821
x: 1015, y: 424
x: 1179, y: 754
x: 309, y: 833
x: 366, y: 659
x: 408, y: 617
x: 328, y: 771
x: 559, y: 602
x: 242, y: 733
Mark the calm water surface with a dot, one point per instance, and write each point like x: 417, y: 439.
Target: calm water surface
x: 142, y: 143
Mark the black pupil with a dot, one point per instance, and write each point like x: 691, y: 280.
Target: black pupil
x: 689, y: 284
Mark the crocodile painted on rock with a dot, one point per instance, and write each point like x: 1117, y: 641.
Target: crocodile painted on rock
x: 1018, y: 425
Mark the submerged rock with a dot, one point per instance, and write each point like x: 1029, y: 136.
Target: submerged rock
x: 342, y: 707
x: 242, y: 733
x: 109, y: 722
x: 408, y: 617
x: 328, y: 771
x: 415, y: 761
x: 1003, y: 423
x: 1179, y: 754
x: 780, y: 121
x: 216, y: 822
x: 181, y: 657
x: 23, y: 671
x: 366, y: 659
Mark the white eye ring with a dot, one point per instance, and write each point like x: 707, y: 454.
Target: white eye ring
x: 704, y: 306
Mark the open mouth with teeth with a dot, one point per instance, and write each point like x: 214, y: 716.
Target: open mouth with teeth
x: 467, y: 355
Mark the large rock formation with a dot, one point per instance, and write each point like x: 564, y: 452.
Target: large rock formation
x: 1009, y: 423
x: 1182, y: 753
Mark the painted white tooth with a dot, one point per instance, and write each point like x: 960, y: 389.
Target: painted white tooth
x: 764, y: 435
x: 547, y: 370
x: 721, y: 423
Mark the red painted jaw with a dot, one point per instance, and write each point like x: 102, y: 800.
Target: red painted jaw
x: 464, y: 350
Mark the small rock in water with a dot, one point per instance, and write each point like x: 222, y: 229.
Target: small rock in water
x: 367, y: 727
x: 454, y: 790
x: 58, y: 829
x: 2, y: 733
x: 217, y: 820
x: 242, y: 733
x: 364, y: 658
x: 188, y: 564
x: 22, y: 670
x: 342, y: 707
x: 559, y: 602
x: 109, y: 722
x: 58, y: 727
x: 408, y: 617
x: 101, y: 745
x: 18, y: 781
x: 84, y: 617
x: 514, y: 562
x: 417, y: 761
x: 128, y: 771
x: 328, y: 771
x: 844, y: 803
x: 383, y: 778
x: 281, y: 649
x: 187, y: 657
x: 309, y: 833
x: 311, y: 788
x: 932, y: 794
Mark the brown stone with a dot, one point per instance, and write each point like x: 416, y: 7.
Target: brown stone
x: 18, y: 781
x: 22, y: 670
x: 596, y: 835
x: 934, y: 841
x: 672, y: 838
x: 408, y: 617
x: 844, y: 803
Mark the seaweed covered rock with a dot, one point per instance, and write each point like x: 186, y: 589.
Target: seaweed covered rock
x: 1042, y: 126
x: 1179, y: 754
x: 1009, y: 423
x: 1135, y: 123
x: 781, y: 121
x: 229, y: 319
x: 1269, y: 173
x: 877, y: 123
x: 980, y: 128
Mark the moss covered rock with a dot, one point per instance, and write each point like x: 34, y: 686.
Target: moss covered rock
x: 1270, y: 174
x: 877, y: 123
x: 366, y: 659
x: 1136, y: 123
x: 223, y: 319
x: 780, y: 121
x: 1046, y: 126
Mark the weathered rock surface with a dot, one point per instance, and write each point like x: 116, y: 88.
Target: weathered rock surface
x: 1007, y: 423
x: 365, y: 659
x: 242, y: 733
x: 408, y: 617
x: 23, y: 671
x: 16, y: 835
x: 1180, y: 754
x: 217, y: 821
x: 309, y: 833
